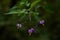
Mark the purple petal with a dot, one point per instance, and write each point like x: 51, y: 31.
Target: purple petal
x: 19, y: 25
x: 29, y: 31
x: 42, y: 22
x: 32, y: 29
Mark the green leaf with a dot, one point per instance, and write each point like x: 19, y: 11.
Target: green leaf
x: 35, y: 16
x: 13, y: 12
x: 22, y: 16
x: 27, y: 4
x: 14, y: 7
x: 17, y: 11
x: 34, y: 3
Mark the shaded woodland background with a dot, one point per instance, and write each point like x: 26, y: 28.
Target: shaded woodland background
x: 49, y: 10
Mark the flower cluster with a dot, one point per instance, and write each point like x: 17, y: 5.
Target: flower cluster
x: 31, y: 30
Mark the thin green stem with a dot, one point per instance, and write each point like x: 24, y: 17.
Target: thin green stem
x: 30, y: 16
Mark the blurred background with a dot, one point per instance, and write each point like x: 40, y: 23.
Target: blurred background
x: 29, y: 13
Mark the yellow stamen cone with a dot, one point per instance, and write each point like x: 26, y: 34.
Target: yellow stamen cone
x: 29, y: 34
x: 43, y: 24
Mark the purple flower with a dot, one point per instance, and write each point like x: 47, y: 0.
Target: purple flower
x: 31, y: 30
x: 42, y: 22
x: 19, y: 25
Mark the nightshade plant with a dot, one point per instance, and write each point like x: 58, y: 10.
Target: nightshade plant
x: 41, y: 15
x: 28, y: 13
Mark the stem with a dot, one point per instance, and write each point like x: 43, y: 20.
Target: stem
x: 30, y: 16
